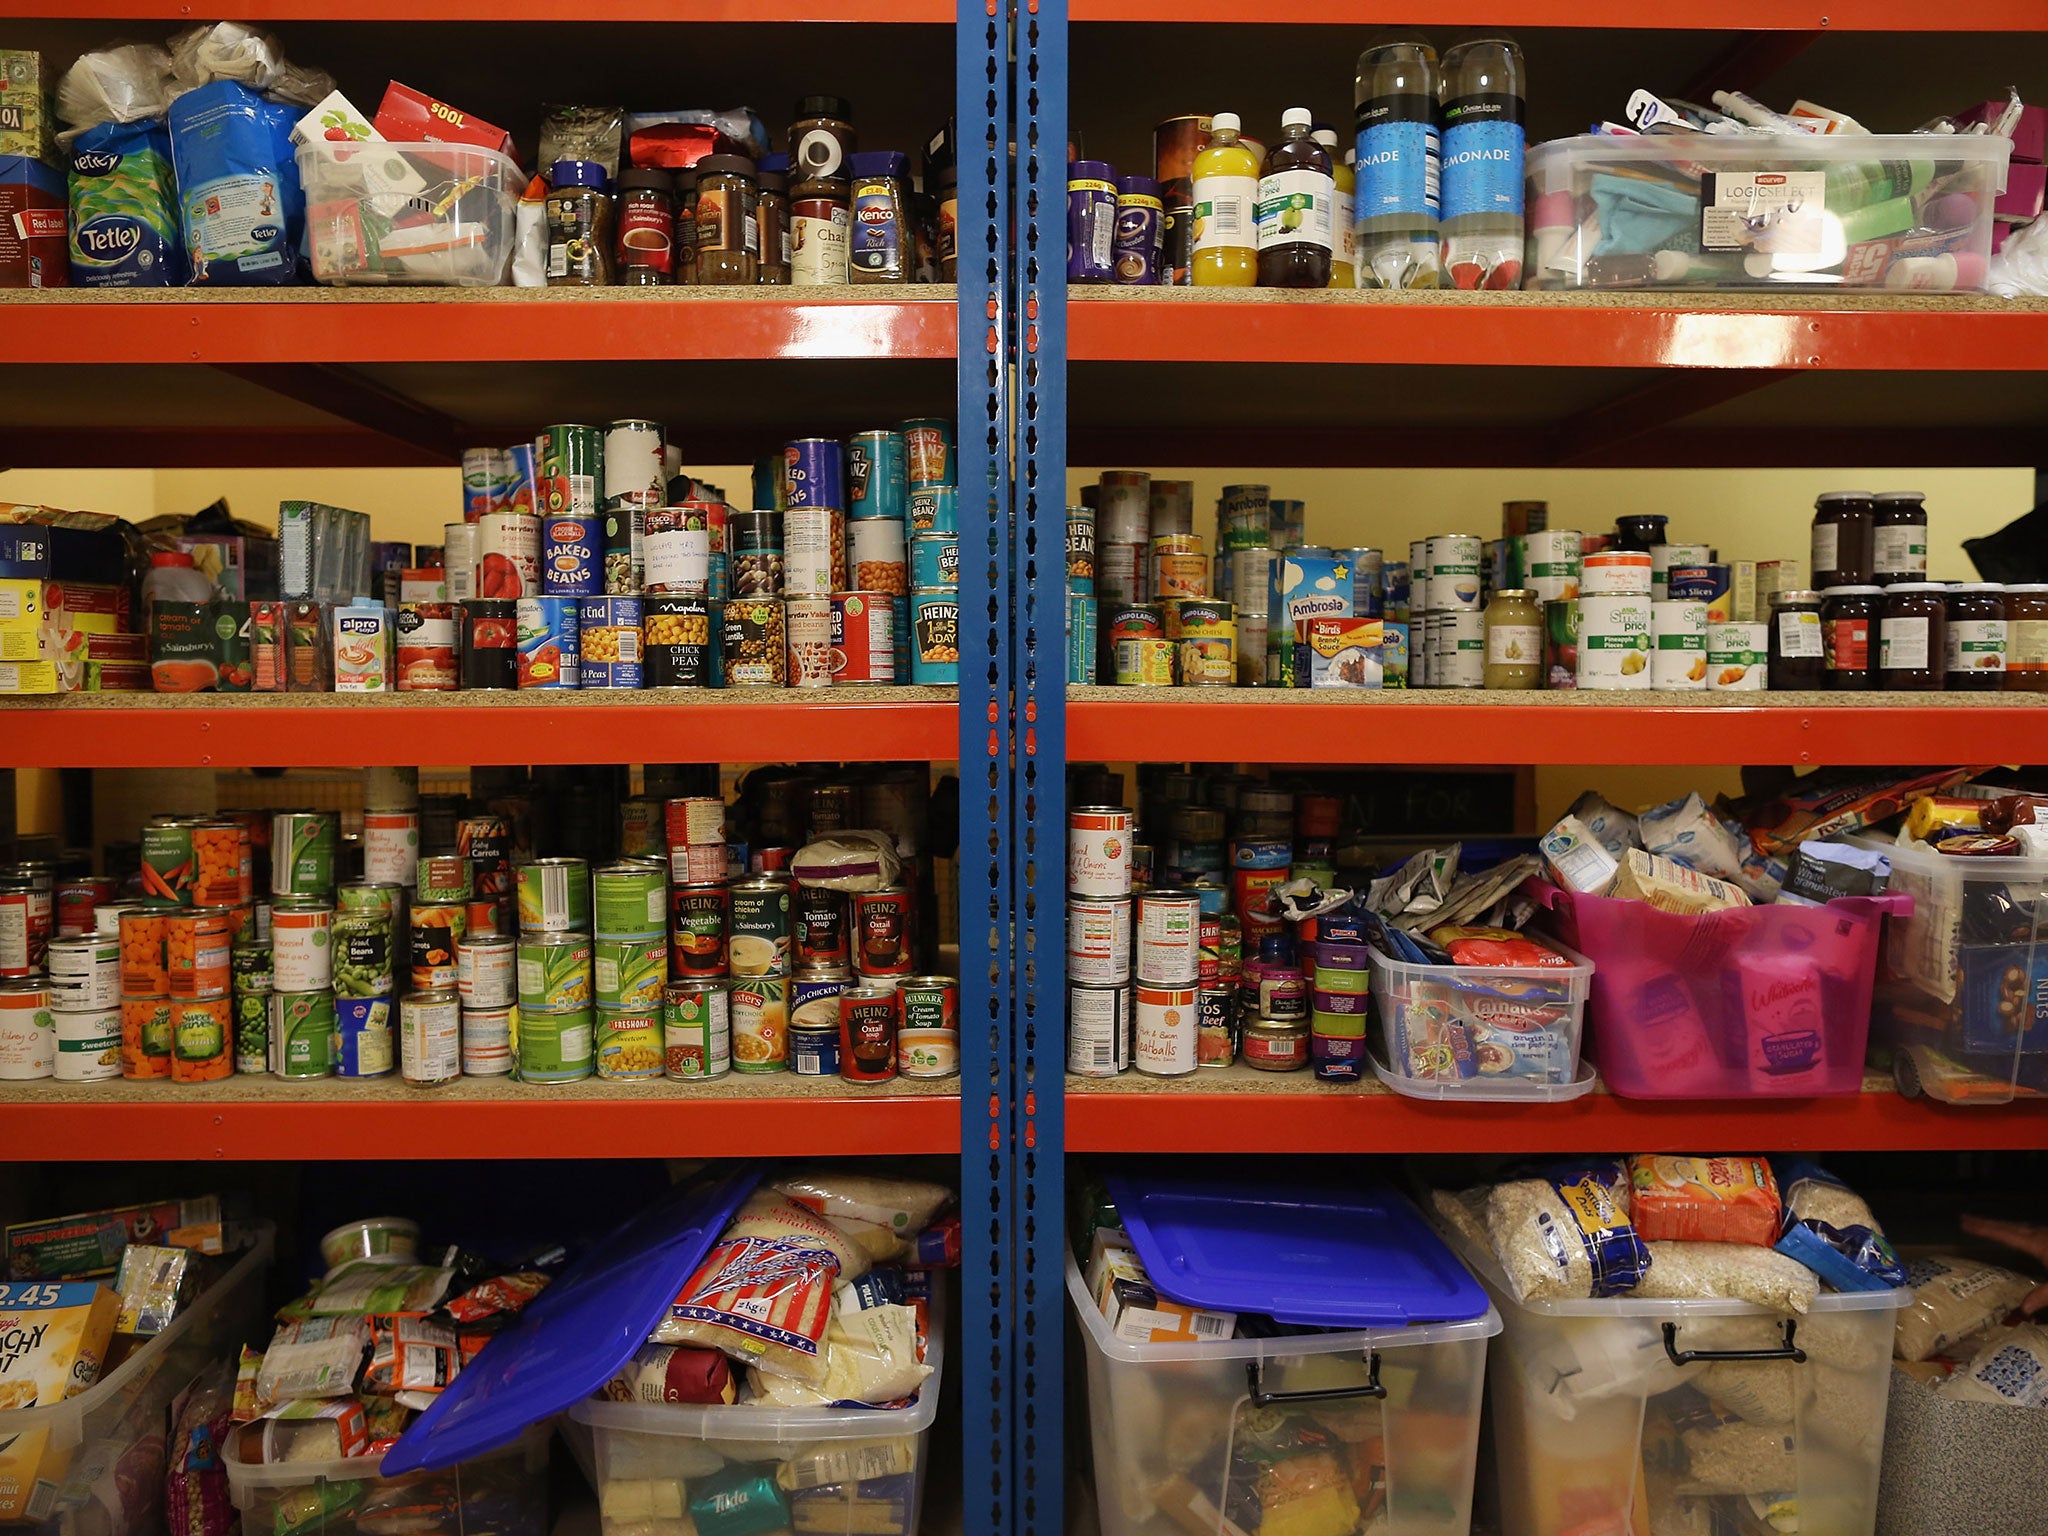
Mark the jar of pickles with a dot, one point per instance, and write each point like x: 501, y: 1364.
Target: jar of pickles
x: 1514, y: 640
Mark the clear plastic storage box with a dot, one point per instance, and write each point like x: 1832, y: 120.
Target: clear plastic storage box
x: 429, y: 214
x: 1476, y: 1032
x: 1962, y: 992
x: 1183, y: 1432
x: 1907, y: 212
x: 102, y: 1453
x: 836, y: 1471
x: 1630, y: 1417
x: 1754, y: 1002
x: 504, y: 1493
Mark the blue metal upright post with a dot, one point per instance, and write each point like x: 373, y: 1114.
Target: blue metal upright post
x: 981, y: 54
x: 1039, y: 671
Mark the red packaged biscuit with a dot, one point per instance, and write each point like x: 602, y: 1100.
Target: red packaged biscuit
x: 1495, y: 946
x: 1704, y: 1199
x: 407, y: 116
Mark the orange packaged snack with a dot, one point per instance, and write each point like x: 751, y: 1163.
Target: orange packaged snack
x: 1704, y: 1199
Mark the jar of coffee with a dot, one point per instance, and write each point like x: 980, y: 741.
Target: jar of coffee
x: 728, y: 225
x: 686, y: 225
x: 818, y: 230
x: 773, y: 269
x: 1849, y: 622
x: 1912, y: 637
x: 1842, y: 538
x: 821, y: 140
x: 1640, y: 531
x: 647, y: 225
x: 883, y: 247
x: 1899, y: 537
x: 579, y: 214
x: 1976, y: 637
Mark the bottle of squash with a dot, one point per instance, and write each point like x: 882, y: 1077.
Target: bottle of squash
x: 1226, y: 196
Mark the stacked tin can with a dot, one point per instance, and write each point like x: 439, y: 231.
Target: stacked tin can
x: 629, y: 926
x: 486, y: 955
x: 304, y: 849
x: 1614, y: 634
x: 1244, y: 558
x: 82, y: 988
x: 1100, y: 1001
x: 932, y: 519
x: 697, y: 1005
x: 557, y: 991
x: 1450, y: 612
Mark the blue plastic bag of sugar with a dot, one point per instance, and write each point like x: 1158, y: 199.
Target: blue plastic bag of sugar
x: 238, y: 180
x: 125, y: 221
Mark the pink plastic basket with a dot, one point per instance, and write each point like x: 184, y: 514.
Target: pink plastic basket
x: 1758, y: 1002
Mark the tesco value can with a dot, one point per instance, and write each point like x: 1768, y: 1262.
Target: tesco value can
x: 508, y: 555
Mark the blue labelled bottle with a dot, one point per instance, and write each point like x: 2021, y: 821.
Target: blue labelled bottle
x: 1482, y: 164
x: 1399, y: 192
x: 1297, y: 202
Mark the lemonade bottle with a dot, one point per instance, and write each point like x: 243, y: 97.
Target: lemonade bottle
x: 1226, y: 195
x: 1343, y: 263
x: 1399, y: 190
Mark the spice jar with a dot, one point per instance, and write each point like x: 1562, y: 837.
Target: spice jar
x: 2026, y: 637
x: 686, y: 225
x: 1848, y: 627
x: 1091, y: 221
x: 821, y: 140
x: 818, y: 243
x: 1976, y: 637
x: 1842, y: 537
x: 1514, y: 640
x: 773, y: 268
x: 579, y: 214
x: 1640, y: 531
x: 1899, y: 537
x: 882, y: 247
x: 647, y: 226
x: 728, y: 230
x: 1912, y: 637
x: 949, y: 224
x: 1798, y: 649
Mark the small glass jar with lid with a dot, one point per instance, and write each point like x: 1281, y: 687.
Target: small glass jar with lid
x: 647, y: 228
x: 882, y: 246
x: 1640, y: 531
x: 1798, y: 649
x: 2026, y: 637
x: 1976, y: 637
x: 728, y: 224
x: 579, y: 215
x: 1514, y: 639
x: 1912, y: 637
x: 1848, y: 625
x: 686, y: 225
x: 1842, y: 538
x: 773, y: 176
x: 1898, y: 537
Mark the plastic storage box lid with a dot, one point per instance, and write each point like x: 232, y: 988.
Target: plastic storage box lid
x: 579, y: 1331
x: 1360, y: 1258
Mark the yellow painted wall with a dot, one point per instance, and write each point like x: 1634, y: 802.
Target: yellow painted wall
x: 1745, y: 514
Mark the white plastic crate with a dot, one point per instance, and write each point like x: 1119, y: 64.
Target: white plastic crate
x: 1616, y: 1416
x: 1895, y: 211
x: 843, y: 1461
x: 117, y: 1423
x: 1396, y: 1411
x: 423, y: 214
x: 1481, y: 1032
x: 504, y: 1493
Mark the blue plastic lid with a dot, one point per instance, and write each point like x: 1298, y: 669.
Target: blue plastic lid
x: 577, y: 173
x: 777, y: 162
x: 880, y: 162
x: 579, y: 1331
x: 1357, y: 1258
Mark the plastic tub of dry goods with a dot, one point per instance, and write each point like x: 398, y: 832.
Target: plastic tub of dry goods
x: 1481, y: 1032
x: 504, y: 1493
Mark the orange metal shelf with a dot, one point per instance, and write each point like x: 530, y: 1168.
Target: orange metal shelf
x: 503, y: 10
x: 232, y: 1121
x: 1217, y: 725
x: 1190, y: 1116
x: 322, y: 730
x: 1742, y: 15
x: 1558, y: 330
x: 493, y: 325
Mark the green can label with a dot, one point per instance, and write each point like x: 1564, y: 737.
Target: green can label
x: 302, y: 853
x: 249, y: 967
x: 200, y: 1035
x: 554, y: 896
x: 629, y: 1043
x: 629, y: 901
x: 252, y: 1031
x: 231, y: 646
x: 555, y: 974
x: 360, y: 943
x: 302, y: 1034
x: 554, y: 1047
x: 629, y: 973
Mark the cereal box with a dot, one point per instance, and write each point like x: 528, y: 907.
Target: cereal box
x: 53, y: 1338
x: 83, y: 1246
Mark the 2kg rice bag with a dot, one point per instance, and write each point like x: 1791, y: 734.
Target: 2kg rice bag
x: 1830, y: 1230
x: 1729, y: 1272
x: 871, y: 1357
x: 1952, y: 1299
x: 1567, y: 1236
x: 880, y: 1214
x: 1704, y: 1199
x: 2010, y: 1368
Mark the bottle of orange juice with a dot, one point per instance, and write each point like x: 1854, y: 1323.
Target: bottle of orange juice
x: 1226, y: 196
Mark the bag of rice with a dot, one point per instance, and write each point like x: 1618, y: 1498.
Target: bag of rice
x: 880, y: 1214
x: 1567, y: 1236
x: 1952, y: 1299
x: 1704, y: 1199
x: 1830, y: 1230
x: 1728, y: 1272
x: 871, y: 1357
x: 1735, y: 1457
x: 2009, y: 1368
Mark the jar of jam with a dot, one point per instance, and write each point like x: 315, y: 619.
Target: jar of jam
x: 1976, y: 637
x: 1514, y: 640
x: 1899, y: 537
x: 774, y: 221
x: 2026, y: 637
x: 579, y: 213
x: 1912, y: 637
x: 821, y: 139
x: 1639, y: 531
x: 882, y: 247
x: 818, y: 224
x: 1848, y: 627
x: 1842, y: 538
x: 728, y: 222
x: 686, y: 225
x: 1798, y: 650
x: 647, y: 226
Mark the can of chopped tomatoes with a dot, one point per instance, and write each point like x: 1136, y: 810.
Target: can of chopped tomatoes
x: 863, y: 637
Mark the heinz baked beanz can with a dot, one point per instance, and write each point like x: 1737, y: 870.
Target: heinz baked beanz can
x: 934, y: 509
x: 929, y: 440
x: 935, y: 635
x: 877, y: 475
